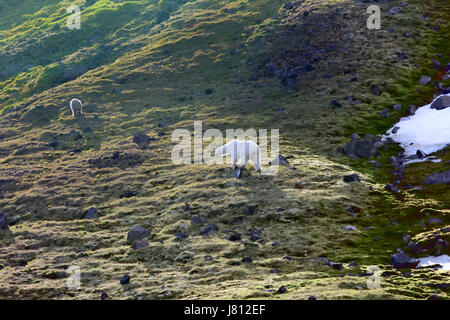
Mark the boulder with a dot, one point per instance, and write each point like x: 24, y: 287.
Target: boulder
x: 125, y: 279
x: 352, y: 178
x: 140, y: 244
x: 401, y: 260
x: 424, y: 80
x: 438, y: 178
x: 137, y: 233
x: 3, y: 221
x: 441, y: 103
x: 362, y: 148
x: 91, y: 213
x: 142, y: 140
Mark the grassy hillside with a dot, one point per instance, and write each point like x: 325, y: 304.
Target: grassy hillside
x: 157, y: 66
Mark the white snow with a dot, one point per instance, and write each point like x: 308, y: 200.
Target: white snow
x: 443, y: 260
x: 427, y: 130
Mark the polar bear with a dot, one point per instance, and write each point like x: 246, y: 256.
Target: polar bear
x: 242, y: 151
x: 76, y: 106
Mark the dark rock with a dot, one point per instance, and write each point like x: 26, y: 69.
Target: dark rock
x: 139, y: 244
x: 392, y: 188
x: 209, y: 230
x: 401, y: 260
x: 353, y: 264
x: 125, y: 279
x: 441, y: 103
x: 402, y: 56
x: 352, y: 178
x: 91, y: 213
x: 376, y: 90
x: 250, y: 210
x: 255, y: 235
x: 362, y: 148
x: 137, y: 233
x: 209, y: 91
x: 279, y: 160
x: 335, y: 104
x: 104, y: 296
x: 181, y: 235
x: 247, y: 260
x: 311, y: 298
x: 53, y: 144
x: 397, y: 107
x: 3, y: 221
x: 237, y: 173
x: 412, y: 110
x: 275, y: 270
x: 129, y: 194
x: 407, y: 34
x: 198, y: 220
x: 384, y: 114
x: 282, y: 289
x: 438, y: 178
x: 395, y: 10
x: 116, y: 155
x: 336, y: 265
x: 420, y: 154
x: 142, y: 140
x: 424, y: 80
x: 406, y: 238
x: 434, y: 221
x: 235, y: 237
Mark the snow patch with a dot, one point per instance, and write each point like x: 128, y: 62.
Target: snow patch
x: 443, y: 260
x: 427, y: 130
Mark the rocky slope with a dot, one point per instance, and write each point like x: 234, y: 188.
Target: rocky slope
x: 143, y: 69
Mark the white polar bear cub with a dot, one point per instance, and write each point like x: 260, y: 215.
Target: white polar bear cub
x: 76, y: 106
x: 242, y: 151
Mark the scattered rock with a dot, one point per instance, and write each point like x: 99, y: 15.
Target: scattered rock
x: 412, y: 110
x: 395, y: 10
x: 282, y: 289
x: 137, y: 233
x: 362, y: 148
x: 311, y: 298
x: 125, y: 279
x: 401, y: 260
x: 407, y: 34
x: 3, y: 221
x: 375, y: 90
x: 300, y: 184
x: 353, y: 264
x: 247, y: 260
x: 438, y: 178
x: 275, y: 270
x: 335, y: 104
x: 336, y: 265
x: 424, y: 80
x: 384, y: 113
x: 235, y: 237
x: 392, y: 188
x: 142, y: 140
x: 420, y: 154
x: 250, y: 210
x: 279, y: 160
x: 104, y: 296
x: 352, y: 178
x: 140, y: 244
x: 198, y: 220
x: 349, y: 228
x: 441, y: 103
x: 397, y: 107
x: 434, y: 221
x: 181, y: 235
x: 209, y: 230
x: 91, y: 213
x: 129, y: 194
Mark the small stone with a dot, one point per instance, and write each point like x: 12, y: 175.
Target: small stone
x: 407, y: 34
x: 434, y: 221
x: 441, y: 103
x: 376, y: 90
x: 420, y: 154
x: 181, y: 235
x: 352, y: 178
x: 198, y: 220
x: 91, y: 213
x: 397, y: 107
x: 353, y: 264
x: 349, y: 228
x: 125, y: 279
x: 137, y: 233
x: 282, y: 289
x: 235, y: 237
x: 142, y: 140
x: 140, y: 244
x: 384, y: 114
x: 209, y: 230
x: 335, y: 104
x: 336, y: 265
x: 247, y: 260
x: 424, y: 80
x: 412, y: 110
x: 401, y: 260
x: 104, y: 296
x: 300, y: 184
x: 3, y: 221
x: 392, y: 188
x: 311, y: 298
x: 395, y: 10
x: 250, y: 210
